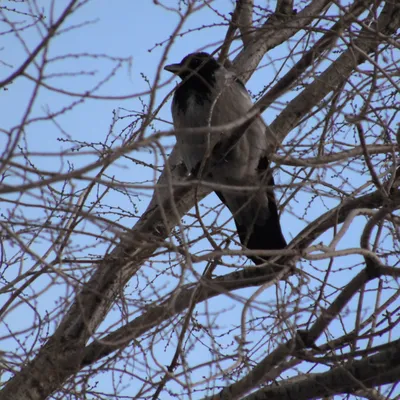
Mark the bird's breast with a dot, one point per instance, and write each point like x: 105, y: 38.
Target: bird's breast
x: 197, y: 114
x: 219, y: 107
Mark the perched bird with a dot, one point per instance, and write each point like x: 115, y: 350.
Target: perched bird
x: 210, y: 95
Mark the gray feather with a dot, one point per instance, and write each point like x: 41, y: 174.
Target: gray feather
x: 223, y: 101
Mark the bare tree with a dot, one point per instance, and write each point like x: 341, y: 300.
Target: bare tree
x: 93, y: 307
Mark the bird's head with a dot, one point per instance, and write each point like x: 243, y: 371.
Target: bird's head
x: 195, y: 64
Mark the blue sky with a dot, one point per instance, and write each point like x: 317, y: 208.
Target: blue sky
x: 128, y: 29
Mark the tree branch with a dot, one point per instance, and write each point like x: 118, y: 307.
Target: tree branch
x: 245, y: 22
x: 51, y: 31
x: 62, y: 354
x: 259, y: 374
x: 248, y: 277
x: 379, y: 369
x: 273, y: 33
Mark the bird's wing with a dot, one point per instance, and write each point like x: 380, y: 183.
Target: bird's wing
x: 255, y: 212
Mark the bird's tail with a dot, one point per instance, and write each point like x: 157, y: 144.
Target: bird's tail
x: 257, y: 221
x: 267, y: 236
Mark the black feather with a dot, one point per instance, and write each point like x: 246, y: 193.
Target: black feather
x: 209, y: 90
x: 268, y: 236
x: 198, y: 76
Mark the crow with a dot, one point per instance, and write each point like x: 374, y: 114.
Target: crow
x: 211, y: 95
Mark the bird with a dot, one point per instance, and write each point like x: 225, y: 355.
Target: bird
x: 210, y: 95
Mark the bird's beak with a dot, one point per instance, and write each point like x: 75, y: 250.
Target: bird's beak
x: 174, y: 68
